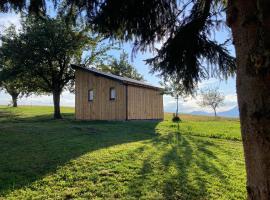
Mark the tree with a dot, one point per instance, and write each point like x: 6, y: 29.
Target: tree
x: 175, y: 89
x: 97, y: 52
x: 11, y: 81
x: 186, y: 27
x: 211, y: 98
x: 44, y: 50
x: 12, y: 90
x: 15, y: 83
x: 121, y: 67
x: 15, y: 88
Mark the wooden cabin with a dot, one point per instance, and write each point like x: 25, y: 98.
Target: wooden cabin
x: 104, y: 96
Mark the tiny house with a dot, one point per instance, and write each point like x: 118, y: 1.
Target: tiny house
x: 104, y: 96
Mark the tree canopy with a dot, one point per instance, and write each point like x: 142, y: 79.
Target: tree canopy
x: 121, y: 67
x: 211, y: 97
x: 176, y: 90
x: 43, y: 51
x: 12, y: 80
x: 183, y: 27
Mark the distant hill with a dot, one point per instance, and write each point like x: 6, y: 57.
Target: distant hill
x: 234, y: 112
x: 201, y: 113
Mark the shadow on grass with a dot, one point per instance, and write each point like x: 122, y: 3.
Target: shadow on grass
x: 6, y: 114
x: 33, y: 147
x: 182, y: 154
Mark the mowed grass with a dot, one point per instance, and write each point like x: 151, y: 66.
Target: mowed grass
x: 225, y: 128
x: 43, y: 158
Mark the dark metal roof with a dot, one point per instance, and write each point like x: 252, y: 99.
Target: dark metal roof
x: 125, y: 80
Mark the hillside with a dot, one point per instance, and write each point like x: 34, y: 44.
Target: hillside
x: 67, y: 159
x: 234, y: 112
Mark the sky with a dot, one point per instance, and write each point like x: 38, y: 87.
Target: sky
x: 227, y: 88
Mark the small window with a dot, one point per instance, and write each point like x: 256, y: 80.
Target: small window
x: 112, y: 93
x: 90, y: 95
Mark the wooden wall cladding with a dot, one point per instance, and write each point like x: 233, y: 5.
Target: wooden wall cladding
x: 140, y: 102
x: 144, y: 103
x: 101, y: 108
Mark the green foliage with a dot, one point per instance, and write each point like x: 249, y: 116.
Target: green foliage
x: 185, y: 28
x: 96, y: 54
x: 40, y: 159
x: 44, y: 49
x: 12, y: 80
x: 121, y: 67
x: 14, y: 88
x: 12, y: 84
x: 176, y: 119
x: 173, y: 88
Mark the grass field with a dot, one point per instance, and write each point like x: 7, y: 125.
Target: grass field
x: 67, y: 159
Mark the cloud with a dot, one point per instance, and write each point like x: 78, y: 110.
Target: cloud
x: 4, y: 98
x: 6, y: 19
x: 191, y: 104
x: 212, y: 82
x: 185, y: 106
x: 67, y: 99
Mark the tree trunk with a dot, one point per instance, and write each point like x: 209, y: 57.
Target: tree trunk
x: 14, y: 100
x: 177, y: 98
x: 56, y: 102
x: 215, y: 112
x: 250, y: 24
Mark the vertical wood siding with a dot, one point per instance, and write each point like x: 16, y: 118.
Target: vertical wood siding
x: 144, y: 103
x: 101, y: 108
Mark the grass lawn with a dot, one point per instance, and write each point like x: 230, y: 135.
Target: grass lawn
x: 67, y: 159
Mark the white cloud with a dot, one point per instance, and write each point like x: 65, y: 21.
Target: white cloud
x: 4, y: 98
x: 231, y: 98
x: 6, y: 19
x: 191, y: 104
x: 67, y: 99
x: 185, y: 106
x: 212, y: 82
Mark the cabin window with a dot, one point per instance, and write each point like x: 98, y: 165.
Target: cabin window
x: 112, y: 93
x: 90, y: 95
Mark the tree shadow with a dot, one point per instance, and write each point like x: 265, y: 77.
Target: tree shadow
x: 182, y: 155
x: 33, y: 147
x: 6, y: 114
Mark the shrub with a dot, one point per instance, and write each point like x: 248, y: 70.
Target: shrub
x: 176, y: 118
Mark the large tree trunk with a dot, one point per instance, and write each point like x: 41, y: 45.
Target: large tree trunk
x: 56, y: 102
x: 250, y: 24
x: 14, y: 93
x: 14, y: 100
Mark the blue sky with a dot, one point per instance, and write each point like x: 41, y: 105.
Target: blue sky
x: 188, y: 105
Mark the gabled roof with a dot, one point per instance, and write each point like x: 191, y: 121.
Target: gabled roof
x: 122, y: 79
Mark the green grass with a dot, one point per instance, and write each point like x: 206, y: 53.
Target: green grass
x: 67, y: 159
x: 223, y: 128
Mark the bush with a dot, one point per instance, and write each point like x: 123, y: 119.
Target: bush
x: 176, y: 118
